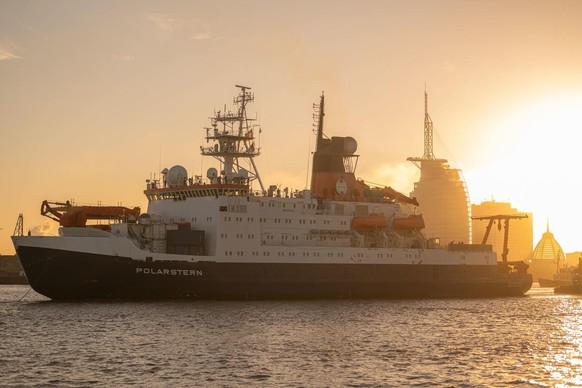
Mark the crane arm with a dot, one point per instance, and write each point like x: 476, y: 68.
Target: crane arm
x: 389, y: 192
x: 67, y: 214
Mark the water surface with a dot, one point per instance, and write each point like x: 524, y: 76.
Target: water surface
x: 534, y: 340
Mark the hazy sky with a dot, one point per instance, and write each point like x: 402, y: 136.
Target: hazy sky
x: 94, y: 94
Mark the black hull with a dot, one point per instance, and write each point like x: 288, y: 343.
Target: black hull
x: 66, y: 275
x: 570, y: 289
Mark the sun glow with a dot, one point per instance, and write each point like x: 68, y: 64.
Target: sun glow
x: 536, y: 165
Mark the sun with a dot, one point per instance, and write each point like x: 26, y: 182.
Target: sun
x: 537, y: 164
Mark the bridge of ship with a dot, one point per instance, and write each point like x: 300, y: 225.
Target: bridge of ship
x: 197, y: 191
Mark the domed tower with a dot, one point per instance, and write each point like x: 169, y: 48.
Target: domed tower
x: 547, y: 258
x: 441, y: 193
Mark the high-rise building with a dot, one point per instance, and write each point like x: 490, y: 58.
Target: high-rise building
x: 441, y: 193
x: 520, y: 239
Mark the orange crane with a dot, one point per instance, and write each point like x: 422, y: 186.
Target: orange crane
x: 67, y: 214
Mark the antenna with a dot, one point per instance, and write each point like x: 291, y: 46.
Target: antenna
x: 234, y: 141
x: 160, y: 161
x: 428, y: 138
x: 428, y: 131
x: 319, y: 113
x: 308, y: 161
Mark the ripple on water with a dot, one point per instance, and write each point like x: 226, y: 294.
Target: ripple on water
x: 535, y: 340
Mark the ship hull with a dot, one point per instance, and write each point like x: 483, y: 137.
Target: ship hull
x: 67, y: 275
x: 569, y: 289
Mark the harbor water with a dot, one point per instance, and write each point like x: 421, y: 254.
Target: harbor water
x: 534, y: 340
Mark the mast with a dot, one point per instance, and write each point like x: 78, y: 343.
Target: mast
x: 233, y: 136
x: 318, y: 115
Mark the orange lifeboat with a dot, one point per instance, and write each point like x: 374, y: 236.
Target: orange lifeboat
x: 372, y: 221
x: 412, y: 222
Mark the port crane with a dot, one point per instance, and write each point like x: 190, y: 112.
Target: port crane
x: 499, y: 218
x: 19, y: 228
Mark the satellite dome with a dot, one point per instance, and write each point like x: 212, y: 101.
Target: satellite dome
x: 350, y: 145
x: 144, y: 218
x: 211, y: 173
x: 177, y: 176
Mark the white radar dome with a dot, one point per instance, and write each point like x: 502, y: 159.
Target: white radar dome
x: 211, y: 173
x: 350, y: 145
x: 177, y: 176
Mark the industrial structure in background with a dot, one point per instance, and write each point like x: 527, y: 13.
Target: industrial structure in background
x: 520, y: 242
x: 441, y: 192
x: 498, y: 219
x: 11, y: 271
x: 548, y: 258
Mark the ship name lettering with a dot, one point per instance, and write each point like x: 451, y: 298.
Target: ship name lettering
x: 167, y: 271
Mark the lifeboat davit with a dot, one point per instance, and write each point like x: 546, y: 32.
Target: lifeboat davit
x: 372, y: 221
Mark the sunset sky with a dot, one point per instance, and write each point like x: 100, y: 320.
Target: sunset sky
x: 96, y: 95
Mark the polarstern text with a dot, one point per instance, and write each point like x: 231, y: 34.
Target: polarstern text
x: 166, y: 271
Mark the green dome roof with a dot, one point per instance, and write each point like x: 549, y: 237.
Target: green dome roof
x: 549, y: 249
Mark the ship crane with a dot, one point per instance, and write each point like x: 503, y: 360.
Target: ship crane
x: 67, y: 214
x: 389, y: 192
x: 499, y: 218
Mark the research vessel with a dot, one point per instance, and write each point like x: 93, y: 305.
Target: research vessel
x: 229, y: 236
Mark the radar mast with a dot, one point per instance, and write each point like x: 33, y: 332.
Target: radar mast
x: 233, y: 136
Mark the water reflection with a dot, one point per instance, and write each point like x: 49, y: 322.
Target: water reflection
x: 563, y: 359
x: 534, y: 340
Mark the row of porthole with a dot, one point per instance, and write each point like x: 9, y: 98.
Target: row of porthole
x: 296, y: 238
x: 409, y: 256
x: 283, y: 205
x: 281, y: 254
x: 278, y: 221
x: 238, y: 235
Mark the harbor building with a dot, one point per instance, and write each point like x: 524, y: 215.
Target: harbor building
x: 441, y: 193
x: 573, y: 258
x: 520, y: 241
x: 10, y: 270
x: 547, y: 258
